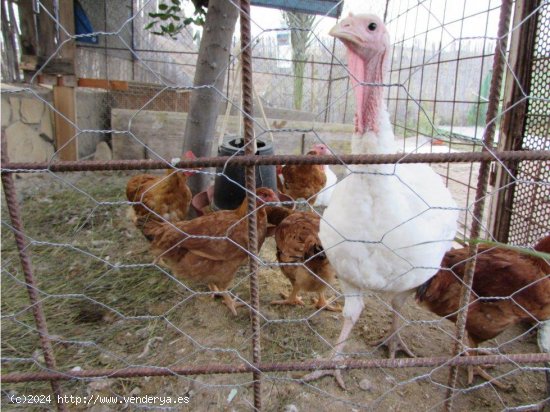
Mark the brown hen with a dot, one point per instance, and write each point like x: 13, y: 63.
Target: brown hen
x: 508, y: 287
x: 298, y: 244
x: 304, y: 181
x: 210, y: 248
x: 160, y: 197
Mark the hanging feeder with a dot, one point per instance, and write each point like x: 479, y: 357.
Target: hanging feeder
x: 230, y: 180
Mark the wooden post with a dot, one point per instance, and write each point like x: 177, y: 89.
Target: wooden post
x: 28, y: 39
x: 64, y: 102
x: 513, y: 122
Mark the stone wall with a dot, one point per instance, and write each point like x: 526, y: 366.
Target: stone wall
x: 29, y: 125
x: 29, y: 122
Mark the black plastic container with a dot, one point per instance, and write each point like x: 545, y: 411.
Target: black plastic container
x: 228, y: 195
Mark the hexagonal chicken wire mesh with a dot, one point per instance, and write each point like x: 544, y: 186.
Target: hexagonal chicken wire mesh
x: 116, y: 320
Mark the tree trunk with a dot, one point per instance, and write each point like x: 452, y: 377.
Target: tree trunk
x: 210, y: 71
x: 299, y: 69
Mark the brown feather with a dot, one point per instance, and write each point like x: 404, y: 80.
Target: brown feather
x: 508, y: 287
x: 167, y: 196
x: 215, y: 255
x: 298, y: 242
x: 304, y: 181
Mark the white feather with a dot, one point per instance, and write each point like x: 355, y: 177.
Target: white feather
x: 387, y: 227
x: 324, y: 196
x: 544, y: 336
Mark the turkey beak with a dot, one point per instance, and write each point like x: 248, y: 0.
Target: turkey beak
x: 347, y: 30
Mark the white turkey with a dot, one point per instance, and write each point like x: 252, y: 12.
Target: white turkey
x: 387, y: 227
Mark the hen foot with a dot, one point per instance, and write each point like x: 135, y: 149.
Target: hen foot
x: 322, y: 303
x: 232, y: 304
x: 292, y: 300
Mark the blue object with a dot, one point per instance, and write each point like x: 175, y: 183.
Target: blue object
x: 82, y: 25
x: 331, y: 8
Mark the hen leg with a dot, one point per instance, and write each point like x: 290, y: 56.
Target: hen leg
x: 323, y: 304
x: 352, y: 309
x: 215, y: 291
x: 293, y: 299
x: 478, y: 370
x: 231, y: 303
x: 393, y: 340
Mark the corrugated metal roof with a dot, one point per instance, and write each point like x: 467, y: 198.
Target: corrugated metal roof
x: 331, y: 8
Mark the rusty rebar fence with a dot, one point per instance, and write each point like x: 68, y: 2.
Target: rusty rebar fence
x: 254, y: 352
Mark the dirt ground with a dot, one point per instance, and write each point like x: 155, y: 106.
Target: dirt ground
x: 108, y: 306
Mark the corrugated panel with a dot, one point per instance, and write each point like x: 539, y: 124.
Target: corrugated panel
x: 331, y: 8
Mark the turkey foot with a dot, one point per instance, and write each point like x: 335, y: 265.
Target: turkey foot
x: 394, y: 343
x: 336, y: 373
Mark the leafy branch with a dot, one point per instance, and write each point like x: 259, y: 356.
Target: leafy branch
x: 170, y: 19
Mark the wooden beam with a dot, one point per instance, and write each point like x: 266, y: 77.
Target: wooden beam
x: 50, y: 26
x: 46, y: 28
x: 103, y: 84
x: 64, y: 102
x: 29, y: 42
x: 66, y: 21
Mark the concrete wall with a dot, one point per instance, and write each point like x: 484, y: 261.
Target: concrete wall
x: 93, y: 113
x: 156, y: 134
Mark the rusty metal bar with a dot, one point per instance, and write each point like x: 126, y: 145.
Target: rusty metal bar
x: 267, y: 367
x: 482, y: 182
x: 250, y: 150
x: 220, y: 161
x: 37, y: 310
x: 277, y: 367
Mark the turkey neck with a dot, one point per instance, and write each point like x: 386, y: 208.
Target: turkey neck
x: 373, y: 132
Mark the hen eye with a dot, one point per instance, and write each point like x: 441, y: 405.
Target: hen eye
x: 372, y: 26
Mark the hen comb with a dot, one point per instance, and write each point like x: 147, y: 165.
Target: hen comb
x: 189, y: 155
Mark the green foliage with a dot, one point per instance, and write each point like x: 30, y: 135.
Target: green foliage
x: 170, y: 19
